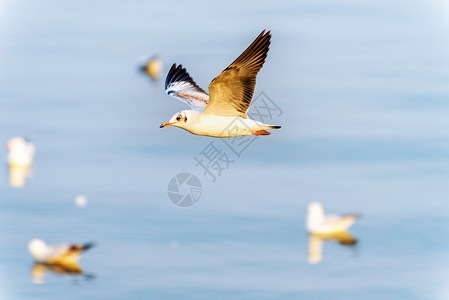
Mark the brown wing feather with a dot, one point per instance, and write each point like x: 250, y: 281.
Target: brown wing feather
x: 231, y: 91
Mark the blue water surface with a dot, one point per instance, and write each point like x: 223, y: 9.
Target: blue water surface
x: 363, y: 89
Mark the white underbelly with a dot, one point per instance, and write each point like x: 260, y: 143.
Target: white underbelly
x: 220, y: 126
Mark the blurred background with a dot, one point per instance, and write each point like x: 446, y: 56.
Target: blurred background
x: 363, y: 86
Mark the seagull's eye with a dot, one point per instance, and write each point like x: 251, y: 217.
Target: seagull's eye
x: 178, y: 118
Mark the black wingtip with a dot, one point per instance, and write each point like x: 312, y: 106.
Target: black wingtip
x: 265, y: 32
x: 87, y: 246
x: 143, y: 68
x: 264, y: 35
x: 349, y: 242
x: 170, y: 75
x: 178, y: 73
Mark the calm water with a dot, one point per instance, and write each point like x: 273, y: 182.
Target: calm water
x: 364, y: 92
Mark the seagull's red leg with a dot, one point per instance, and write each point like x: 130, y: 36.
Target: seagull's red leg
x: 261, y: 132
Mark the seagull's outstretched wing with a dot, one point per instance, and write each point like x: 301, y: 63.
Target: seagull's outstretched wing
x: 180, y: 85
x: 231, y: 91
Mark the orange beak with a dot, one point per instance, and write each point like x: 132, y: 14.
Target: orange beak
x: 166, y: 124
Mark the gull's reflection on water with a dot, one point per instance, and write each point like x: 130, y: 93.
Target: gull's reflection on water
x: 39, y: 271
x: 316, y: 243
x: 18, y: 175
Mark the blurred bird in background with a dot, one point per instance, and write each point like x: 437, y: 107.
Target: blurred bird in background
x: 152, y: 67
x: 20, y: 152
x: 323, y: 227
x: 20, y: 159
x: 319, y: 223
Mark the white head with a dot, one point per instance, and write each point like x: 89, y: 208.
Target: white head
x: 315, y: 215
x: 21, y: 151
x: 38, y: 248
x: 16, y: 143
x: 182, y: 119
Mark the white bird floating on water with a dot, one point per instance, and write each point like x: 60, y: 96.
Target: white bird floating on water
x: 319, y: 223
x: 229, y: 100
x: 327, y: 228
x: 63, y: 254
x: 20, y: 152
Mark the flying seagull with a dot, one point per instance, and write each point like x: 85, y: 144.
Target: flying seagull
x: 319, y: 223
x: 223, y: 112
x: 316, y: 243
x: 64, y: 254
